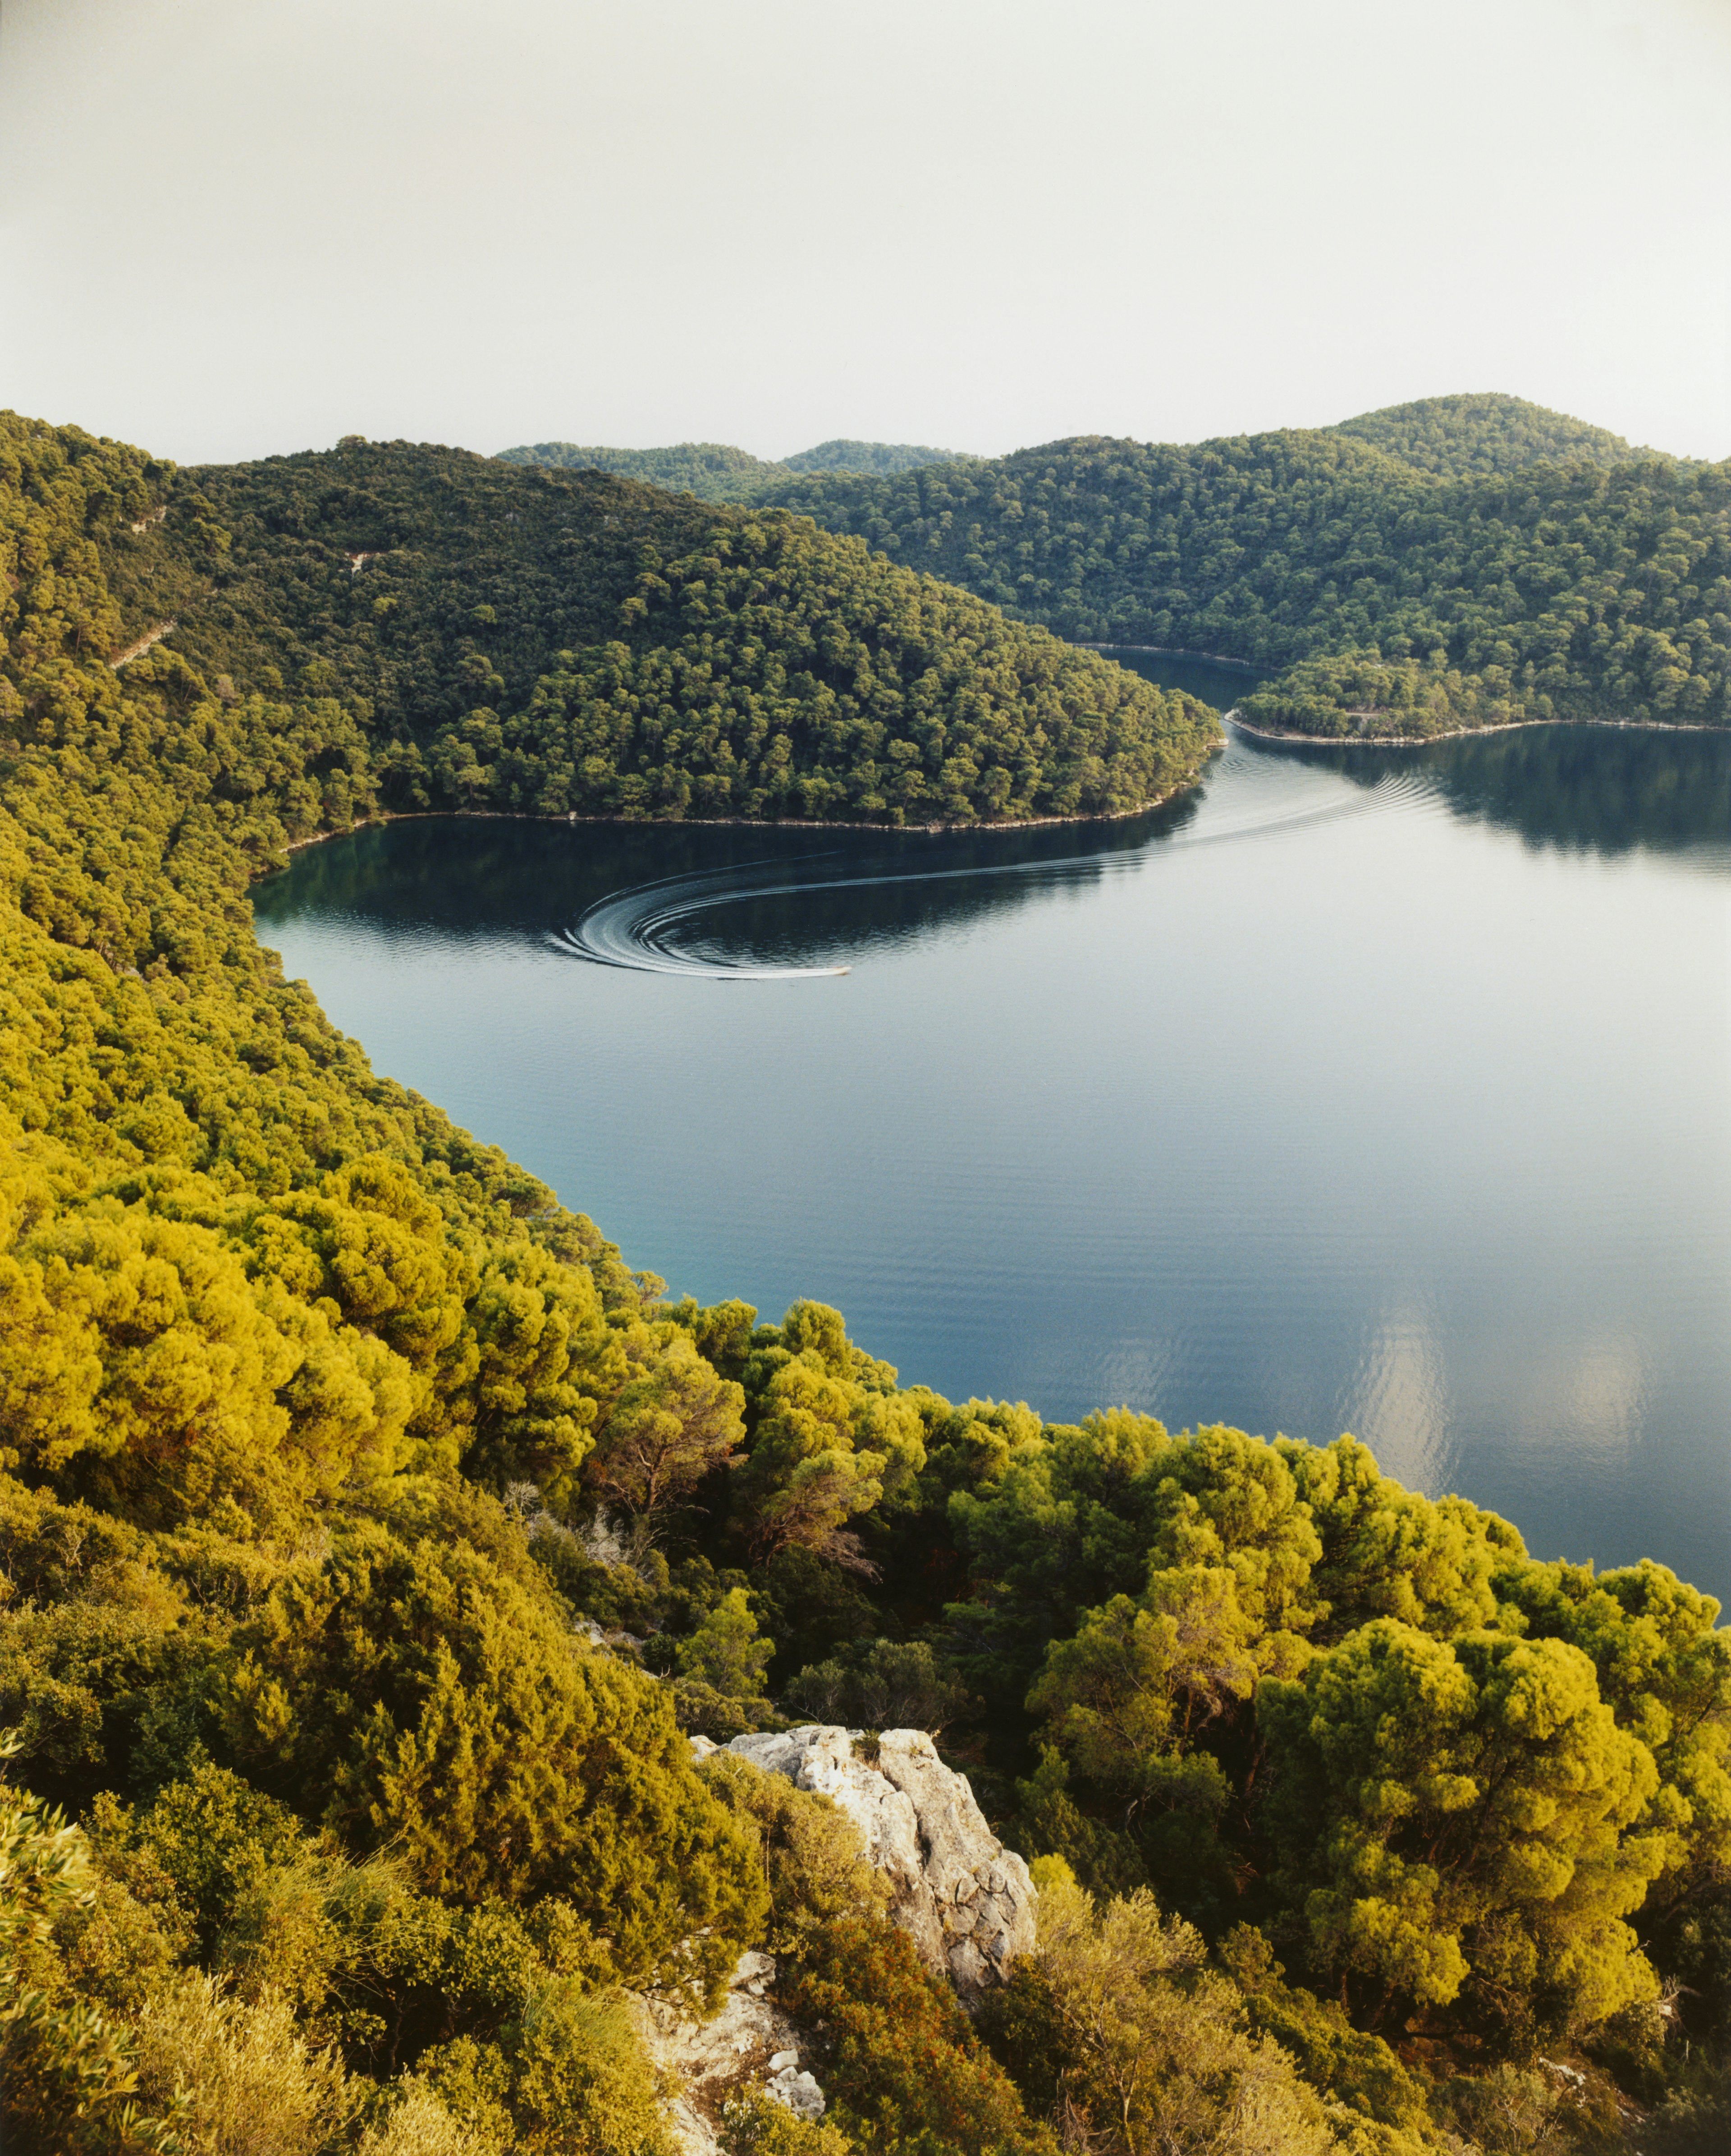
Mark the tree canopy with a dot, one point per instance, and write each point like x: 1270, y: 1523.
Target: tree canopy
x: 1464, y: 562
x: 550, y: 643
x: 715, y: 471
x: 372, y: 1535
x: 1455, y: 435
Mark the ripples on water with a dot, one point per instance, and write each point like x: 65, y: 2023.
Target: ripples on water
x: 637, y: 929
x: 644, y: 928
x: 641, y: 928
x: 1371, y: 1090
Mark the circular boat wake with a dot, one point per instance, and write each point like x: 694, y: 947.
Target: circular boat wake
x: 633, y: 928
x: 639, y: 928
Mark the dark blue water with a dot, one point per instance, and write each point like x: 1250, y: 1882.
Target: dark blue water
x: 1377, y: 1089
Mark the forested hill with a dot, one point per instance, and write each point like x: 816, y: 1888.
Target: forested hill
x: 1447, y: 435
x: 1389, y: 599
x: 879, y: 458
x: 1455, y: 435
x: 523, y: 639
x: 372, y: 1537
x: 715, y: 471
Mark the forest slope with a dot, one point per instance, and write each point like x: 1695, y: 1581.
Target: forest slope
x: 1453, y: 436
x: 1387, y: 596
x: 554, y: 642
x: 329, y: 1442
x: 1446, y: 435
x: 716, y: 471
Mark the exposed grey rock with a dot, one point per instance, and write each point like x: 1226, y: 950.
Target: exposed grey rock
x: 799, y: 2092
x: 965, y: 1901
x: 750, y: 2044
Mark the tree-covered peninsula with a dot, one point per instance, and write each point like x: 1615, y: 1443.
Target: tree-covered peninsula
x: 373, y: 1540
x: 716, y: 471
x: 1464, y: 562
x: 556, y: 642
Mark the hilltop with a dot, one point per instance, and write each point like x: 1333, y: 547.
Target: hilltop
x: 1465, y: 561
x: 1452, y: 436
x: 558, y: 642
x: 716, y: 471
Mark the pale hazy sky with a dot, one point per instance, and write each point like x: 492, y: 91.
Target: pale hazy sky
x: 234, y: 226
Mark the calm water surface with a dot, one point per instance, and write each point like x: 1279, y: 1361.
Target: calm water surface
x: 1386, y: 1090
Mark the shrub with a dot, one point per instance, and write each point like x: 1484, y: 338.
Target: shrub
x: 420, y: 2125
x: 888, y: 1684
x: 758, y: 2126
x: 580, y: 2085
x: 724, y: 1652
x: 418, y: 1697
x: 253, y: 2086
x: 902, y: 2067
x: 1138, y: 2046
x: 813, y: 1862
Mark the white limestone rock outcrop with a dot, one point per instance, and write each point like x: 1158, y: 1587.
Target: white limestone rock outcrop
x: 799, y: 2092
x: 965, y: 1901
x: 750, y: 2045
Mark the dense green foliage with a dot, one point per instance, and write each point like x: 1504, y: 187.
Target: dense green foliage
x: 1455, y: 435
x: 714, y: 472
x: 875, y: 457
x: 904, y: 2067
x: 1450, y: 435
x: 1132, y: 2039
x: 371, y: 1534
x: 483, y: 636
x: 1417, y: 572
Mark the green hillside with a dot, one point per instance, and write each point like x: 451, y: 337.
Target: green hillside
x: 562, y: 642
x: 714, y: 472
x: 1453, y: 436
x: 330, y: 1440
x: 876, y: 458
x: 1390, y: 599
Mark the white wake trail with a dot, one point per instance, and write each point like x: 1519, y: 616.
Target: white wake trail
x: 637, y: 929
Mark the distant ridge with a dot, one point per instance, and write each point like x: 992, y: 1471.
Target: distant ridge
x: 716, y: 471
x: 871, y: 457
x: 1456, y: 562
x: 1454, y: 436
x: 1452, y: 563
x: 1458, y: 437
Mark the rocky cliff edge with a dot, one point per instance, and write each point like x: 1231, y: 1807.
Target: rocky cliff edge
x: 967, y: 1901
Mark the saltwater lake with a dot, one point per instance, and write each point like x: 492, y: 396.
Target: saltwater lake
x: 1377, y: 1089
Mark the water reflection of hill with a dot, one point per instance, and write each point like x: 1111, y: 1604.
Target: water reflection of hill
x: 1583, y: 788
x: 856, y: 890
x: 868, y: 895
